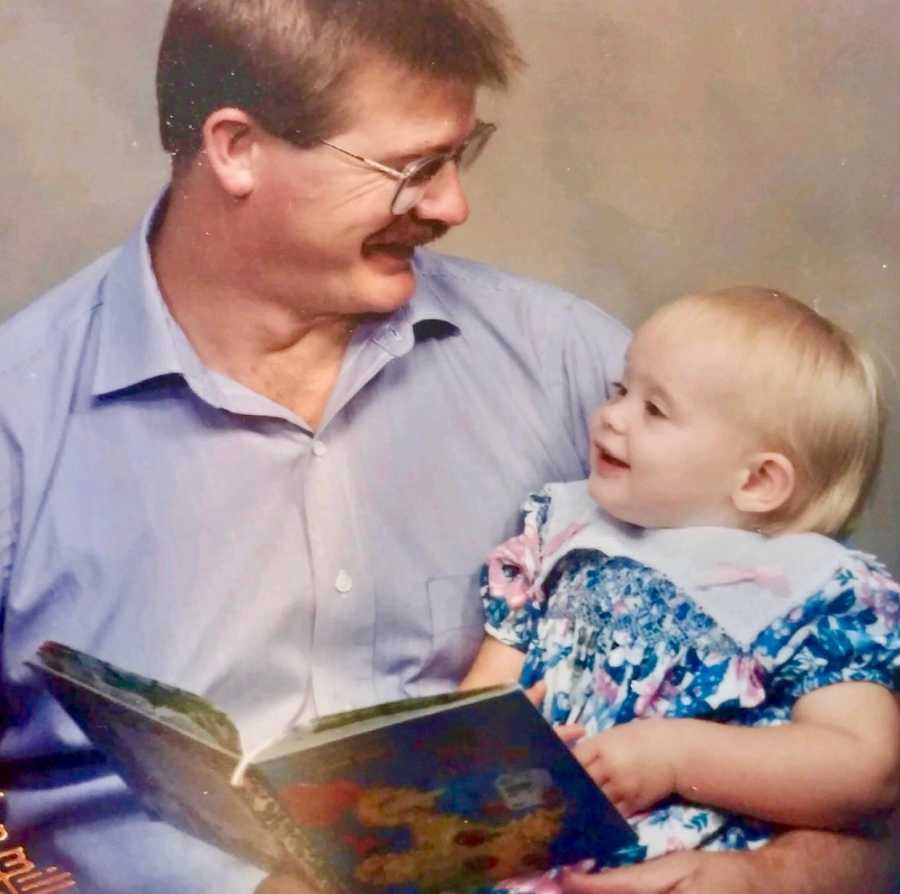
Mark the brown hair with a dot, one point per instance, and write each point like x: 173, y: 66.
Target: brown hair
x: 812, y: 392
x: 289, y: 63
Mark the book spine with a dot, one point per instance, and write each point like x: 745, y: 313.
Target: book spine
x: 301, y: 857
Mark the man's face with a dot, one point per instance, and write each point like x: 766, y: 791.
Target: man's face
x: 669, y: 450
x: 327, y: 242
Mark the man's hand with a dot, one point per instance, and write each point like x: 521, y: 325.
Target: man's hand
x: 632, y: 763
x: 686, y: 872
x: 284, y: 884
x: 796, y: 862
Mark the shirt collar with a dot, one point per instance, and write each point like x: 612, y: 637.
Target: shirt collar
x: 140, y: 341
x: 428, y: 305
x: 135, y: 336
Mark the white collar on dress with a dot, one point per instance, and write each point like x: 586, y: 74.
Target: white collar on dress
x: 742, y: 579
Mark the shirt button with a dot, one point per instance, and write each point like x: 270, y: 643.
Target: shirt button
x: 343, y: 583
x: 319, y: 449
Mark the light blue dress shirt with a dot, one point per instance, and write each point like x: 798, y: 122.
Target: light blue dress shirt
x: 165, y: 518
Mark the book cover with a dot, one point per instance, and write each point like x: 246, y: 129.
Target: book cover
x: 449, y: 793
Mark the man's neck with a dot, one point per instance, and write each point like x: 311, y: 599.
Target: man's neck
x: 266, y: 345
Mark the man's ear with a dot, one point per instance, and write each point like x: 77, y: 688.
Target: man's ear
x: 765, y: 484
x: 229, y: 143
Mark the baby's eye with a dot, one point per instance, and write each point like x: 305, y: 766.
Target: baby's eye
x: 654, y: 409
x: 618, y: 389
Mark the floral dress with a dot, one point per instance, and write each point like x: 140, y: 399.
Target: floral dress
x: 715, y: 623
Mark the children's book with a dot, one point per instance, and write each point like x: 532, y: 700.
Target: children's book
x: 454, y: 792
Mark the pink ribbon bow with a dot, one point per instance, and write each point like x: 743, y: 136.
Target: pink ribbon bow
x: 771, y: 579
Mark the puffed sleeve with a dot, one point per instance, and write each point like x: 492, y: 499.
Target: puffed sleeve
x: 847, y: 632
x: 512, y: 598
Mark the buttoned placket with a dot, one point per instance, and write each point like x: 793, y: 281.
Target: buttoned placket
x: 344, y: 593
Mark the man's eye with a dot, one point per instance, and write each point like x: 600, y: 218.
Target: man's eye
x: 424, y: 169
x: 654, y: 409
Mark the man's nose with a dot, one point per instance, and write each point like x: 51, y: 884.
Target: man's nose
x: 444, y: 199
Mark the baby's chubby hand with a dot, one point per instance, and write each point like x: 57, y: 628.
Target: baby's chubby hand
x: 633, y: 763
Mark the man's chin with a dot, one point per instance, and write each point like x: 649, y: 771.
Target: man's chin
x: 392, y: 281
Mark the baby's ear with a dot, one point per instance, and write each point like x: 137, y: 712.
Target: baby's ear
x: 766, y: 483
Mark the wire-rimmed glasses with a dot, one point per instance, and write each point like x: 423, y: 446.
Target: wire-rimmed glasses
x: 413, y: 180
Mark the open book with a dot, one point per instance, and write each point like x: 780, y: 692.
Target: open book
x: 450, y: 793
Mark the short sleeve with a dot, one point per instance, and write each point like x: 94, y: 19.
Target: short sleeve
x: 847, y: 632
x: 510, y: 591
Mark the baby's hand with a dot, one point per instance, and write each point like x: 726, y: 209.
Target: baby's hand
x: 570, y: 733
x: 631, y: 763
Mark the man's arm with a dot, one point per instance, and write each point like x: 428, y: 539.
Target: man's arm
x: 10, y: 498
x: 797, y: 862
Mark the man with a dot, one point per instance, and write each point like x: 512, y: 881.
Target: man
x: 260, y: 451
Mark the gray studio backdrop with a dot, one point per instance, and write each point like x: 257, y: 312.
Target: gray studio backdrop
x: 652, y: 147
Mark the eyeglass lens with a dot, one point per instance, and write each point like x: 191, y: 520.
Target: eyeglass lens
x: 415, y: 182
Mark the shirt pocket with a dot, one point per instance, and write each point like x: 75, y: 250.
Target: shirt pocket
x: 457, y: 628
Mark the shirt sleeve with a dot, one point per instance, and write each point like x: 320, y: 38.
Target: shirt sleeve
x: 510, y: 591
x: 847, y: 632
x: 592, y: 346
x: 10, y: 476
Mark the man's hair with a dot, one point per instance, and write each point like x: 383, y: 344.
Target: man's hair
x: 289, y: 63
x: 811, y: 392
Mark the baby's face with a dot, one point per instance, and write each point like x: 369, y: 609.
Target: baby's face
x: 669, y: 449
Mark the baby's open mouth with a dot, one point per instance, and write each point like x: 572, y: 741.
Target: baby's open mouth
x: 607, y: 457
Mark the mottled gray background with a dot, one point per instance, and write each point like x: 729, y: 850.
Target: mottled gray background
x: 652, y: 147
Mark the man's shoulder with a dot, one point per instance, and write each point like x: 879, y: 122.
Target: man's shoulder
x: 36, y: 333
x: 485, y: 290
x: 464, y: 272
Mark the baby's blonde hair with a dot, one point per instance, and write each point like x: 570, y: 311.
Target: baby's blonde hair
x: 812, y: 393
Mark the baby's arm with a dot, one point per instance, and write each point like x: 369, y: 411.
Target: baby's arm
x: 494, y: 664
x: 835, y: 763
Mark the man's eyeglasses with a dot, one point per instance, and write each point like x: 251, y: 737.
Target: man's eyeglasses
x: 413, y: 180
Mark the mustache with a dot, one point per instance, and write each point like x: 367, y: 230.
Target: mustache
x: 408, y: 232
